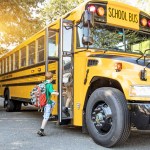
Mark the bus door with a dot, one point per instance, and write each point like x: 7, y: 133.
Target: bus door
x: 66, y: 72
x: 52, y: 62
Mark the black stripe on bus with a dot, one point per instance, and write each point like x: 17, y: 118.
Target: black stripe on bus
x: 26, y: 83
x: 27, y: 67
x: 123, y: 58
x: 28, y: 76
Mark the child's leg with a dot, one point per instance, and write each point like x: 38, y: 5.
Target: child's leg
x: 47, y: 110
x: 69, y: 96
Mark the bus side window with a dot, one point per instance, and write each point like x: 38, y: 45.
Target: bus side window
x: 16, y: 60
x: 12, y: 62
x: 40, y: 52
x: 5, y: 61
x: 23, y: 57
x: 7, y: 64
x: 53, y: 48
x: 31, y: 59
x: 0, y: 67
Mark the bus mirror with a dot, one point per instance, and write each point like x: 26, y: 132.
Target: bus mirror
x: 88, y: 19
x: 87, y: 40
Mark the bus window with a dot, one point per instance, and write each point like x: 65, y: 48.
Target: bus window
x: 40, y: 54
x: 23, y: 57
x: 12, y: 62
x: 0, y: 67
x: 137, y: 41
x: 53, y: 49
x: 7, y: 64
x: 3, y: 66
x: 17, y: 60
x: 67, y: 41
x: 31, y: 58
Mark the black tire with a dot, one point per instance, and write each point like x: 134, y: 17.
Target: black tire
x: 17, y: 105
x: 10, y: 106
x: 107, y: 117
x: 6, y: 98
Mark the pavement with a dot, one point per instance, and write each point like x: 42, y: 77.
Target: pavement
x: 18, y: 132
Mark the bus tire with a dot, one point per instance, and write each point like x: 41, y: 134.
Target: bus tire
x: 107, y: 117
x: 17, y: 105
x: 6, y: 98
x: 10, y: 106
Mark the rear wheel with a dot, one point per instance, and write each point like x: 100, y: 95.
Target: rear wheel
x: 17, y: 105
x: 10, y: 106
x: 107, y: 117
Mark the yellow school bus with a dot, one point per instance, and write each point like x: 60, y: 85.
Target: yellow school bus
x: 106, y: 45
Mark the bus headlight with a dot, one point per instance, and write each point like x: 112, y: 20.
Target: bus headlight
x: 139, y: 91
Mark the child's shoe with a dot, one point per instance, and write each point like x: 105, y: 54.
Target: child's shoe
x: 41, y: 133
x: 65, y: 111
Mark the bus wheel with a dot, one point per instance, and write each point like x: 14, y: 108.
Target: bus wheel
x: 6, y: 98
x: 107, y: 117
x: 10, y: 106
x: 17, y: 105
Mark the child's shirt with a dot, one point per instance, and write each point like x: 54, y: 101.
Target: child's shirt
x: 49, y: 90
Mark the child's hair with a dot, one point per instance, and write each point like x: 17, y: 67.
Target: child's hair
x: 48, y: 75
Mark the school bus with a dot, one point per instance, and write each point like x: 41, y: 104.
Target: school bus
x: 107, y: 45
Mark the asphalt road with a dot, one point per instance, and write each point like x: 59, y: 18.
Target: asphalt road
x: 18, y: 132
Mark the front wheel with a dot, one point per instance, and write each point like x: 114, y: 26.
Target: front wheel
x: 107, y: 117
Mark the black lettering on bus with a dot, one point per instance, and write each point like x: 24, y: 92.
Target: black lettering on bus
x: 130, y: 17
x: 110, y: 14
x: 133, y: 18
x: 113, y: 13
x: 119, y: 14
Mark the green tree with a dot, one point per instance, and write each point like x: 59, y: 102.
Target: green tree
x: 17, y: 20
x: 56, y: 8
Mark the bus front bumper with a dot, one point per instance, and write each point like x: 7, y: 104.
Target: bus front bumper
x: 140, y: 115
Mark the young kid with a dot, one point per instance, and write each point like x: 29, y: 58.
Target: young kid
x: 49, y: 105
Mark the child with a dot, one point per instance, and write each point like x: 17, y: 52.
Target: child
x: 48, y: 106
x: 69, y: 92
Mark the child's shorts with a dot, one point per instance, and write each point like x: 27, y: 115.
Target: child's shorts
x: 47, y: 111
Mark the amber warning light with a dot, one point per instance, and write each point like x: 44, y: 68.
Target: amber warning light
x: 118, y: 66
x: 145, y: 22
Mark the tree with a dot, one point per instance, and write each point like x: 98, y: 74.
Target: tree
x: 56, y: 8
x: 141, y: 4
x: 17, y: 21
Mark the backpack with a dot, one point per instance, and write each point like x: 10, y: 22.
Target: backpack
x: 38, y: 96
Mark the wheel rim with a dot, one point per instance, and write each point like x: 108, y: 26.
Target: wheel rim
x: 101, y: 117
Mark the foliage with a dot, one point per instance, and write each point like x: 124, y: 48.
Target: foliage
x: 17, y: 21
x: 56, y: 8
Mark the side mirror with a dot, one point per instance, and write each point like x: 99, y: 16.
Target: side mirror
x: 88, y: 19
x: 88, y: 22
x: 87, y: 40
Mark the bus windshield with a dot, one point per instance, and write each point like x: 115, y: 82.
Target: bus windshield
x: 115, y: 39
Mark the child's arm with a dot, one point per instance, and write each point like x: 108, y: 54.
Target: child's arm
x: 55, y: 93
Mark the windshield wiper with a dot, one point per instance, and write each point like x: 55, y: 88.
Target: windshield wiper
x: 143, y: 55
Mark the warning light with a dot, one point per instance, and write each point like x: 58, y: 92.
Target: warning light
x: 92, y: 8
x: 100, y: 11
x: 144, y: 22
x: 148, y: 23
x: 118, y: 66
